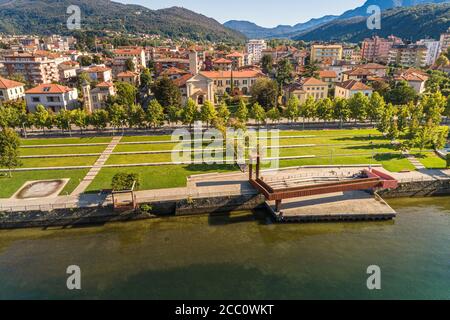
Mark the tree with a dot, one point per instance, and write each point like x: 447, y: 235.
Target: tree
x: 393, y: 132
x: 126, y: 94
x: 325, y: 110
x: 284, y: 73
x: 257, y: 113
x: 291, y: 112
x: 155, y: 114
x: 63, y: 120
x: 311, y: 70
x: 99, y: 119
x: 341, y: 110
x: 117, y: 115
x: 402, y: 93
x: 433, y: 107
x: 190, y: 112
x: 42, y: 118
x: 136, y: 116
x: 267, y: 64
x: 442, y: 61
x: 265, y: 92
x: 308, y: 109
x: 79, y: 118
x: 124, y: 181
x: 173, y: 114
x: 223, y: 112
x: 9, y: 150
x: 146, y: 78
x: 403, y: 116
x: 358, y: 105
x: 376, y: 107
x: 208, y: 113
x: 9, y: 117
x: 129, y: 65
x: 166, y: 92
x: 242, y: 112
x: 274, y: 114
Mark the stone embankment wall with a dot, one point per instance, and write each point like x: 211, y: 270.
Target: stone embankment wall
x: 159, y: 209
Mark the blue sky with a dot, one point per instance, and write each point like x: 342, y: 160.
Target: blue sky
x: 267, y: 13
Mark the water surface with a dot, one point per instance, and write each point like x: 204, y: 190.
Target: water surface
x: 240, y: 256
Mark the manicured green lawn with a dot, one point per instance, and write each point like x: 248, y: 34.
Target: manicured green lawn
x: 147, y: 147
x: 9, y: 186
x: 58, y: 162
x: 61, y: 150
x: 145, y: 138
x: 157, y: 177
x: 87, y: 140
x: 431, y: 161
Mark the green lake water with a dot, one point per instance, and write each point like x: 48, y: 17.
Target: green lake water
x: 240, y: 256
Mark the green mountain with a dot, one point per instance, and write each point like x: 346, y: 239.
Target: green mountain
x: 252, y: 30
x: 410, y: 23
x: 50, y: 16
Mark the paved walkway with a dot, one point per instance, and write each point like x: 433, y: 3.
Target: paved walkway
x: 414, y: 161
x: 97, y: 167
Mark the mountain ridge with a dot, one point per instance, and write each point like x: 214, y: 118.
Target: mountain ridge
x: 45, y: 17
x: 252, y: 30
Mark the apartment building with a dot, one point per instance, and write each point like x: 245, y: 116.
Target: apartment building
x: 433, y: 50
x: 34, y: 68
x: 322, y: 53
x: 11, y: 90
x: 411, y: 55
x: 237, y: 60
x: 444, y: 42
x: 130, y: 53
x: 256, y: 47
x: 52, y: 96
x: 377, y: 49
x: 99, y: 73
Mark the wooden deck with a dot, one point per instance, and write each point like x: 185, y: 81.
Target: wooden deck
x: 340, y: 206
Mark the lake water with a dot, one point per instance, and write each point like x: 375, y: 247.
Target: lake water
x: 240, y: 256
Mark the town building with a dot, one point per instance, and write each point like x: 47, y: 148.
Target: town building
x: 222, y: 64
x: 129, y: 77
x: 256, y: 47
x: 309, y: 87
x: 323, y: 52
x: 68, y: 70
x: 329, y: 77
x: 415, y: 79
x: 11, y: 90
x: 411, y: 55
x: 358, y: 74
x: 445, y: 41
x: 52, y: 96
x: 349, y: 88
x: 99, y: 73
x: 34, y: 68
x: 433, y: 50
x: 377, y: 49
x: 100, y: 94
x: 377, y: 69
x: 237, y: 60
x: 130, y: 53
x: 205, y: 85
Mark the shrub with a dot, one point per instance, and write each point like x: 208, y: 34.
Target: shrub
x: 124, y: 181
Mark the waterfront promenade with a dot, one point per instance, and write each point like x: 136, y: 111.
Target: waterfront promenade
x: 210, y: 185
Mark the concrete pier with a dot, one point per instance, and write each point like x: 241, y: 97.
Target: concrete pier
x: 341, y: 206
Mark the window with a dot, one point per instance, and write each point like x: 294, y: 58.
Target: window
x: 35, y: 99
x: 1, y: 93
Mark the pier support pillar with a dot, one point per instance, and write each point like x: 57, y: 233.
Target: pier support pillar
x: 278, y: 206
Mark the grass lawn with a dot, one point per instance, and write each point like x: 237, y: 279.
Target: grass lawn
x: 61, y: 150
x: 87, y: 140
x: 431, y: 161
x: 145, y: 138
x: 151, y: 177
x: 58, y: 162
x: 393, y: 163
x: 9, y: 186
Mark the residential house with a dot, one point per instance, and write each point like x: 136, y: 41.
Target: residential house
x: 129, y: 77
x: 54, y: 97
x: 11, y: 90
x: 309, y: 87
x: 328, y: 76
x: 349, y: 88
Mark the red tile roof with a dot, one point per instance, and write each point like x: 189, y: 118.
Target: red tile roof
x: 353, y: 85
x: 106, y: 84
x: 127, y: 74
x: 182, y: 80
x: 228, y: 74
x: 49, y: 89
x: 222, y: 61
x: 327, y: 74
x: 98, y: 69
x: 8, y: 84
x: 313, y: 82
